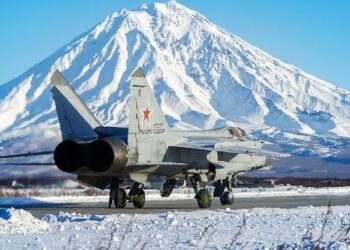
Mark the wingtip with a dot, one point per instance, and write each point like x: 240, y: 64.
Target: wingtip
x: 138, y: 73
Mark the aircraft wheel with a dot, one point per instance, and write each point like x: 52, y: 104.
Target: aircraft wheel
x: 139, y: 199
x: 227, y: 198
x: 204, y: 198
x: 120, y: 198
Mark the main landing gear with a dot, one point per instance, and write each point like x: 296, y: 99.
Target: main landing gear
x: 203, y: 196
x: 120, y: 198
x: 226, y: 197
x: 136, y: 195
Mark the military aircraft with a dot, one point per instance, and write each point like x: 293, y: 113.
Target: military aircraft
x: 148, y: 152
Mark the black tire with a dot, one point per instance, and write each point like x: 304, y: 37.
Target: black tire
x: 204, y: 198
x: 227, y: 198
x: 139, y: 199
x: 120, y: 198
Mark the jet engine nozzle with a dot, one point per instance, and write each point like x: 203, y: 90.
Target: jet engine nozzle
x: 99, y: 155
x: 103, y: 154
x: 68, y: 156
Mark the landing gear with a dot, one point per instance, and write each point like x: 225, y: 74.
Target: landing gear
x: 120, y: 198
x: 226, y: 198
x: 203, y: 196
x: 137, y: 196
x: 115, y: 193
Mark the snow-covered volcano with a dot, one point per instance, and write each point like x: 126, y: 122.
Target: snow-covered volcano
x: 203, y: 76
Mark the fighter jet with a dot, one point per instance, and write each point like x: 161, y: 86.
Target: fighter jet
x: 148, y: 152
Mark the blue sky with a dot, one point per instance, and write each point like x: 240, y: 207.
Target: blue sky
x: 314, y: 35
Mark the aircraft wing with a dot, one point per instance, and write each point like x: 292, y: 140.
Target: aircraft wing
x: 148, y: 164
x: 166, y: 168
x: 234, y: 150
x: 157, y: 168
x: 26, y: 154
x: 252, y: 151
x: 28, y: 164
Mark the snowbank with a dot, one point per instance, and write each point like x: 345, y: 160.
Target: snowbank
x: 14, y: 221
x: 258, y: 228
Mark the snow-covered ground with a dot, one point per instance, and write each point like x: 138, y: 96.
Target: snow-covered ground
x: 41, y: 196
x: 258, y: 228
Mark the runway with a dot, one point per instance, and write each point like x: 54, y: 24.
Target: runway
x: 159, y: 206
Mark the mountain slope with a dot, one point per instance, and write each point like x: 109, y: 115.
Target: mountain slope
x: 203, y: 77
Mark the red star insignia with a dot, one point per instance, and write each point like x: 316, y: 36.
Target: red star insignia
x: 146, y: 114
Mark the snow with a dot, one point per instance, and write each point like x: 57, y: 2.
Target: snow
x: 313, y: 156
x: 258, y: 228
x: 17, y: 221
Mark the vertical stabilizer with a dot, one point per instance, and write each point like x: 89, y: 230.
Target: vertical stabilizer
x: 148, y: 129
x: 145, y: 115
x: 76, y: 120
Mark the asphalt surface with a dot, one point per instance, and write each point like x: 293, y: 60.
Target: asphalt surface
x: 160, y: 206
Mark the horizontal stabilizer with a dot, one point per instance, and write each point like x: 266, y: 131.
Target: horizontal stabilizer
x: 26, y: 154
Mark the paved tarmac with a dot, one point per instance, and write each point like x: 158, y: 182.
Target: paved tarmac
x: 160, y: 206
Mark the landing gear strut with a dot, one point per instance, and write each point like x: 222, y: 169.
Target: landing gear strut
x: 226, y: 198
x: 203, y: 196
x: 137, y: 195
x: 117, y: 194
x: 120, y: 198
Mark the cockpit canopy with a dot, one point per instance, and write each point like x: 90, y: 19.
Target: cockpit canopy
x: 237, y: 132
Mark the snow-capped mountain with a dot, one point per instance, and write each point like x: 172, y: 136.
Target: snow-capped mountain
x: 203, y: 76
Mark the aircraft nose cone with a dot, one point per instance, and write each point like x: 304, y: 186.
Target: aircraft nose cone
x: 268, y: 161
